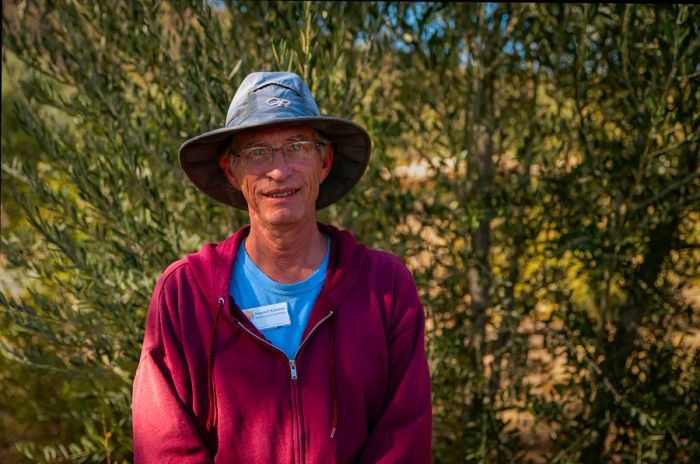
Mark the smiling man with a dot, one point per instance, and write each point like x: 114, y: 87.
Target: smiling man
x: 289, y: 341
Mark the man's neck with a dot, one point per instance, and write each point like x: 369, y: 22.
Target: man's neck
x: 287, y: 255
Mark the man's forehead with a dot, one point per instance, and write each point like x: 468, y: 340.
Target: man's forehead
x: 274, y: 133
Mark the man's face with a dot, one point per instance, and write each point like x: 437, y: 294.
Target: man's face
x: 280, y: 193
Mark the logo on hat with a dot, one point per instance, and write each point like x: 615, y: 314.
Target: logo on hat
x: 274, y: 101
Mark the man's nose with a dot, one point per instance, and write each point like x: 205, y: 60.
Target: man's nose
x: 279, y: 167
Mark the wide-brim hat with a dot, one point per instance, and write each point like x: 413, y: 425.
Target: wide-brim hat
x: 266, y: 99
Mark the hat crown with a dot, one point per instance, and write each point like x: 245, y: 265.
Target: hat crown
x: 265, y: 96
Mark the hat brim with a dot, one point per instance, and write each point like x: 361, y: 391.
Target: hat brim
x: 199, y: 158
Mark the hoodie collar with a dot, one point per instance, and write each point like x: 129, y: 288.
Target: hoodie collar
x: 213, y: 264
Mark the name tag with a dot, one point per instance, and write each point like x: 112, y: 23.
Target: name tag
x: 269, y: 316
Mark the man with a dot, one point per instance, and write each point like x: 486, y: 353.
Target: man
x: 289, y: 341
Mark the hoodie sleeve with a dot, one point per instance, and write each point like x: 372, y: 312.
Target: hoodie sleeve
x: 163, y: 424
x: 403, y: 432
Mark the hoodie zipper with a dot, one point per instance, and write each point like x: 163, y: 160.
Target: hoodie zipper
x: 293, y: 375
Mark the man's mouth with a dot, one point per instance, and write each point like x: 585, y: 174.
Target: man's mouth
x: 281, y: 193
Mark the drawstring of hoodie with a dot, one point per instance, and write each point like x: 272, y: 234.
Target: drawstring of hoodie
x: 334, y: 390
x: 211, y: 418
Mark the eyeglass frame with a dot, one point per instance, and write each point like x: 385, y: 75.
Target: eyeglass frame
x: 316, y: 143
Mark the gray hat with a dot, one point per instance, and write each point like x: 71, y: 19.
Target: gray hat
x: 266, y: 99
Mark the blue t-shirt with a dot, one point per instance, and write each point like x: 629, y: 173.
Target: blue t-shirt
x: 252, y: 288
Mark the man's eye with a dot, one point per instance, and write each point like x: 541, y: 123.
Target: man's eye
x: 257, y: 152
x: 294, y: 147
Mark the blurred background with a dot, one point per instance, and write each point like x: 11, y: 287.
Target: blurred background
x: 535, y: 165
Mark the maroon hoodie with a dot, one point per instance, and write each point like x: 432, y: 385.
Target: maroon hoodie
x: 210, y: 387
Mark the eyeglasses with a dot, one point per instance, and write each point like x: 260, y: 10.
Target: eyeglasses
x: 294, y: 152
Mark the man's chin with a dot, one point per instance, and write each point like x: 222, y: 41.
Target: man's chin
x: 283, y: 217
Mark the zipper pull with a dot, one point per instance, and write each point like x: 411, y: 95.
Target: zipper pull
x: 293, y: 368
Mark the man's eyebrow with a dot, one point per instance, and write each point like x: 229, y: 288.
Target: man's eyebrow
x: 254, y: 143
x: 298, y: 137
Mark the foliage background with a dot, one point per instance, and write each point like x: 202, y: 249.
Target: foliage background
x: 535, y: 165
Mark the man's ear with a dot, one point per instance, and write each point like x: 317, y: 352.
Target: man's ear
x: 326, y: 161
x: 226, y: 164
